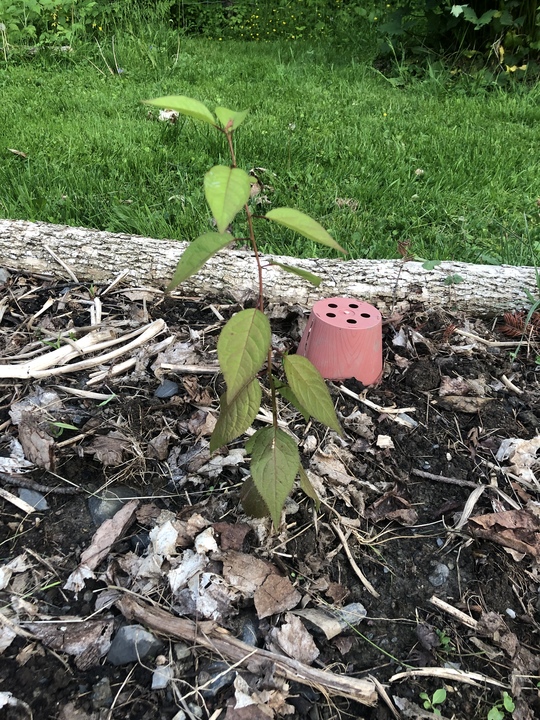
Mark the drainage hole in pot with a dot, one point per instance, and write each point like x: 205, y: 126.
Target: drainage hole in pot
x: 365, y: 315
x: 330, y: 314
x: 353, y: 305
x: 352, y: 322
x: 332, y: 305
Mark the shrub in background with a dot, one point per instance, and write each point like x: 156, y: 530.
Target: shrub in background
x: 505, y: 33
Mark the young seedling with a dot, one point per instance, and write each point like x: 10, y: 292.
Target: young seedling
x: 430, y: 703
x: 244, y: 346
x: 507, y: 704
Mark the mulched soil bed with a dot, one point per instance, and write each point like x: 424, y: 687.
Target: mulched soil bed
x: 424, y: 500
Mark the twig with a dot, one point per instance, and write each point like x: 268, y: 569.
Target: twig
x: 510, y: 385
x: 489, y: 343
x: 196, y: 369
x: 219, y: 640
x: 454, y: 612
x: 471, y: 678
x: 62, y: 263
x: 363, y: 579
x: 23, y: 482
x: 14, y: 500
x: 444, y: 479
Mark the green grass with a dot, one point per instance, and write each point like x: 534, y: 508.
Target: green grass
x: 337, y: 139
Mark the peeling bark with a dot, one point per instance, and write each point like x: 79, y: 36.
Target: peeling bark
x: 98, y: 257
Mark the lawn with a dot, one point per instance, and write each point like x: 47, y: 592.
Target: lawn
x: 445, y: 163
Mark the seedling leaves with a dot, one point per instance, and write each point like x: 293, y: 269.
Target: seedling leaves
x: 251, y: 500
x: 303, y: 224
x: 311, y: 390
x: 235, y: 417
x: 286, y: 392
x: 196, y: 254
x: 185, y: 106
x: 307, y: 487
x: 242, y: 348
x: 430, y: 264
x: 230, y: 119
x: 310, y: 277
x: 227, y: 191
x: 274, y: 464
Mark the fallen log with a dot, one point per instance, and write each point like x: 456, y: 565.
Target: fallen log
x: 98, y: 257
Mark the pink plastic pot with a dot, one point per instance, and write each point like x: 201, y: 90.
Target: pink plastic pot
x: 343, y: 339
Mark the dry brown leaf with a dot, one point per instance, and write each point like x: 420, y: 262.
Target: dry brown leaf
x: 19, y: 153
x: 457, y: 386
x: 518, y: 530
x: 392, y: 506
x: 199, y: 396
x: 294, y: 640
x: 232, y: 536
x: 469, y: 405
x: 109, y: 449
x: 37, y: 444
x: 275, y: 595
x: 246, y: 573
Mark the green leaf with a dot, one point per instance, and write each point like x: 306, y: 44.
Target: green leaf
x: 196, y: 254
x: 431, y: 264
x: 286, y: 392
x: 310, y: 277
x: 227, y: 191
x: 495, y: 714
x: 453, y: 280
x: 309, y: 387
x: 251, y: 500
x: 439, y: 696
x: 303, y: 224
x: 230, y: 119
x: 235, y: 417
x: 185, y: 106
x: 308, y: 488
x: 274, y: 464
x: 508, y: 702
x: 242, y: 348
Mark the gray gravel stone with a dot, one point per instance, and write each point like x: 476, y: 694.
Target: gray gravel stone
x: 133, y: 643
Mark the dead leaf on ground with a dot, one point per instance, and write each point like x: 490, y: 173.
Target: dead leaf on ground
x: 275, y: 595
x: 464, y: 404
x: 518, y: 530
x: 199, y: 396
x: 232, y: 535
x: 333, y: 622
x: 392, y: 506
x: 36, y: 442
x: 245, y: 572
x: 457, y: 386
x: 109, y: 449
x: 523, y: 456
x: 294, y: 640
x: 104, y: 537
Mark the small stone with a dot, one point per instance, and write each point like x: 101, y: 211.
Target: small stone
x: 132, y: 643
x: 439, y: 575
x: 33, y: 498
x: 101, y: 694
x: 105, y: 505
x: 4, y: 276
x: 167, y: 389
x: 162, y: 676
x: 214, y: 677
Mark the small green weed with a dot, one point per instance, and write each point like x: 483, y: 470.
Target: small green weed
x: 430, y: 703
x: 245, y: 342
x: 499, y: 710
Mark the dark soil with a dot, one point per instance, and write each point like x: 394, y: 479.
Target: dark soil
x: 405, y: 499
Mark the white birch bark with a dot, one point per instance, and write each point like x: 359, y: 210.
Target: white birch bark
x: 98, y: 257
